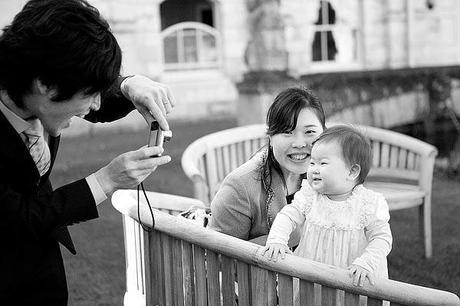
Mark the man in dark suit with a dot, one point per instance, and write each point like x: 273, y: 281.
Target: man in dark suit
x: 58, y: 59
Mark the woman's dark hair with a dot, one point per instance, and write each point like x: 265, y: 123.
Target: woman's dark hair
x: 282, y: 117
x: 65, y: 44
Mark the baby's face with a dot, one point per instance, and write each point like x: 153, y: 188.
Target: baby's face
x: 328, y: 173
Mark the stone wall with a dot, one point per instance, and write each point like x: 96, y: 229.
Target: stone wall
x: 385, y: 42
x: 233, y: 24
x: 388, y: 112
x: 137, y: 29
x: 385, y: 98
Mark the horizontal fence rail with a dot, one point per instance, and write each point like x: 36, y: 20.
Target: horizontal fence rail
x: 185, y: 264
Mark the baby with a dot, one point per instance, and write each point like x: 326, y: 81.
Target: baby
x: 344, y: 223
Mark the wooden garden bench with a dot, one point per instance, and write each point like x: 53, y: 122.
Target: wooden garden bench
x: 402, y: 168
x: 182, y: 263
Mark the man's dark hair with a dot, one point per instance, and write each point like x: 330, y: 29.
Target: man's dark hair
x: 356, y: 148
x: 65, y: 44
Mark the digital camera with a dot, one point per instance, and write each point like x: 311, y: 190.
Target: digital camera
x: 157, y: 137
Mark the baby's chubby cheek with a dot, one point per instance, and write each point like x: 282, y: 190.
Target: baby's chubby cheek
x: 311, y: 182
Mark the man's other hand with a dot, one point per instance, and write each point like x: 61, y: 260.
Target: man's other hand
x: 130, y: 169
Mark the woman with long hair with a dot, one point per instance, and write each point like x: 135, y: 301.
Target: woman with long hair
x: 251, y: 195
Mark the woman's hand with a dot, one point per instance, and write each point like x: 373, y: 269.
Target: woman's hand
x: 359, y: 274
x: 273, y: 250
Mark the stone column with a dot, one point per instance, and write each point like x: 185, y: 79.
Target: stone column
x: 266, y: 60
x: 266, y: 49
x: 136, y: 24
x: 256, y: 94
x: 149, y: 31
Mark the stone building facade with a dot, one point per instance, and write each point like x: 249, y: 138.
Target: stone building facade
x: 202, y: 48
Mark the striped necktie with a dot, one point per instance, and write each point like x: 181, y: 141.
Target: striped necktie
x: 40, y: 152
x: 37, y: 146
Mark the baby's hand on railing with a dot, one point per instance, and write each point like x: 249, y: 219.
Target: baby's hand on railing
x: 359, y: 274
x: 273, y: 250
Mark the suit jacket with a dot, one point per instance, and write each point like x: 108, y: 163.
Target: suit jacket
x: 32, y: 213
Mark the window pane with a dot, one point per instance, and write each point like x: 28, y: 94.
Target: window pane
x: 208, y: 52
x: 189, y: 32
x: 170, y: 49
x: 190, y: 48
x: 206, y: 16
x: 326, y: 13
x: 331, y: 49
x: 324, y: 47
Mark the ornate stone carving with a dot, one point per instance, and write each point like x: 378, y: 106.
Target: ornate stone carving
x: 266, y: 49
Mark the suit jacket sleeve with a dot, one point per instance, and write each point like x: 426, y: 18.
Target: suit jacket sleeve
x: 113, y: 105
x: 38, y: 213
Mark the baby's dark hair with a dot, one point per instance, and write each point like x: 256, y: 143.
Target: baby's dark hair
x: 356, y: 148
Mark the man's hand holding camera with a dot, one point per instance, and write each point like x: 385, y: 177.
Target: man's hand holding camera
x: 153, y: 100
x: 129, y: 169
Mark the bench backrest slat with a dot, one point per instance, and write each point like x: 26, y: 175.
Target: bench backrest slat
x: 243, y: 279
x: 189, y: 273
x: 384, y: 155
x: 351, y: 299
x: 212, y: 178
x: 228, y: 280
x: 328, y: 295
x: 308, y: 294
x: 177, y: 267
x: 166, y: 245
x: 374, y: 302
x: 285, y: 289
x: 199, y: 265
x: 212, y: 277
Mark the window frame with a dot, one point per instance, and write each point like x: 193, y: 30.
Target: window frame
x: 333, y: 65
x: 200, y: 28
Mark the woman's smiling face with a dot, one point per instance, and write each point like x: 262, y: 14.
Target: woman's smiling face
x: 292, y: 149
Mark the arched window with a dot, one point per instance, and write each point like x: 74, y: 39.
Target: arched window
x: 324, y: 47
x: 191, y: 45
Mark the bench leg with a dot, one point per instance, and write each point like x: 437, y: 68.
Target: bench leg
x: 425, y: 226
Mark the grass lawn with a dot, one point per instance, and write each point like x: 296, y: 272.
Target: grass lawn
x: 96, y: 274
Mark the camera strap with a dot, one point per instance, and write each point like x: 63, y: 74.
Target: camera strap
x: 144, y: 227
